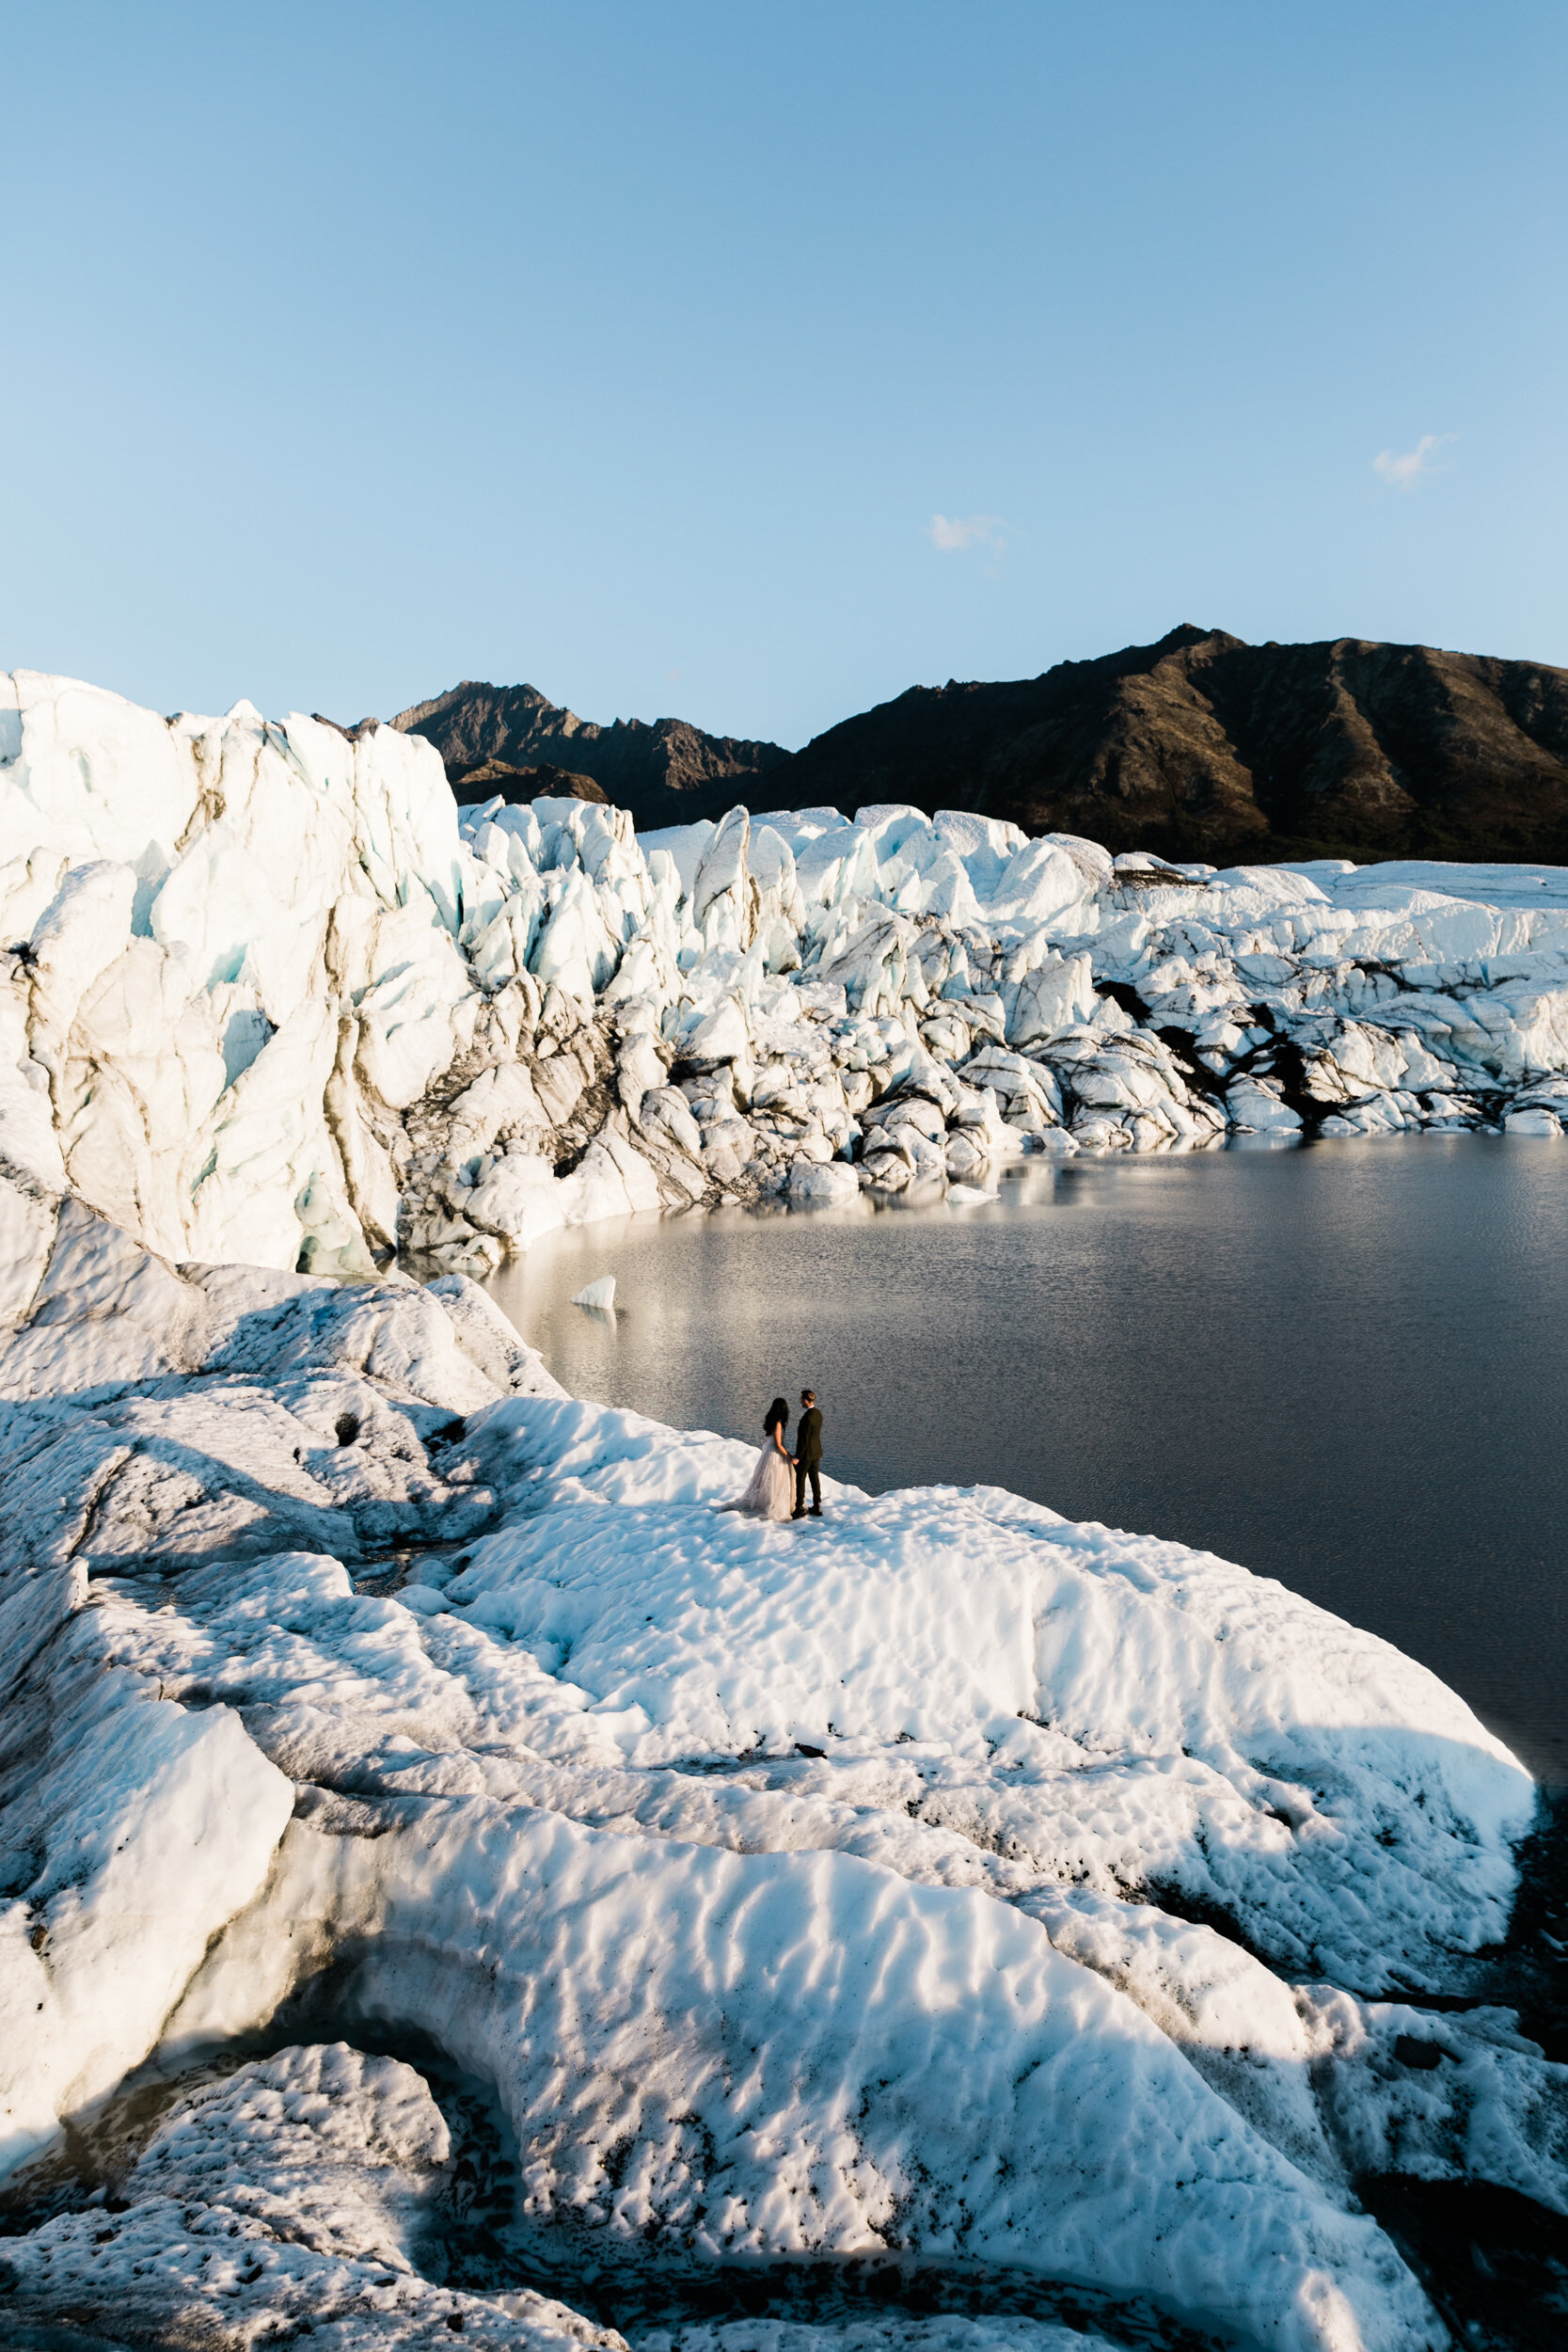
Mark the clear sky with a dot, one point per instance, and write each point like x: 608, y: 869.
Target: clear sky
x: 752, y: 363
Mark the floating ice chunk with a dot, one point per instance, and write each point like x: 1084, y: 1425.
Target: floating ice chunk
x: 599, y: 1296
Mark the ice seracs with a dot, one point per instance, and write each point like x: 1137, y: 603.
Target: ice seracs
x: 266, y: 996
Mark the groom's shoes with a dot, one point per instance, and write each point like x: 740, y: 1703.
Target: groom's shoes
x: 801, y: 1515
x: 815, y: 1513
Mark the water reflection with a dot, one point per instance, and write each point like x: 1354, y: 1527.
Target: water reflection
x: 1342, y: 1366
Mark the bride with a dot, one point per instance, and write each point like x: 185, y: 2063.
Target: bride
x: 771, y: 1494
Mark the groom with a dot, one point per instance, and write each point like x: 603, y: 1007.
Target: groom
x: 808, y: 1456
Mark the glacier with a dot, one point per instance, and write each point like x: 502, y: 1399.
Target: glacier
x: 948, y: 1882
x: 267, y: 994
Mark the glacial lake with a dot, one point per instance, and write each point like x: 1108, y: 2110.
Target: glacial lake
x: 1342, y: 1365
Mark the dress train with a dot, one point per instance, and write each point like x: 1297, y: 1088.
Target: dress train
x: 771, y: 1494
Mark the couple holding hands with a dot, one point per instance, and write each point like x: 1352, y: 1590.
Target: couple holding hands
x: 778, y: 1485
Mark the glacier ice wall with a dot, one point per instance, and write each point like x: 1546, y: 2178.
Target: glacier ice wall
x: 263, y: 996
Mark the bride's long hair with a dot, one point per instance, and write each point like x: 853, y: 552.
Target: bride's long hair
x: 776, y: 1417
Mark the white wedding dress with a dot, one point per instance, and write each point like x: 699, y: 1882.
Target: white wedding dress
x: 771, y: 1494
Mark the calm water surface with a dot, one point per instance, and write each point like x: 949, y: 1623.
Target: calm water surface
x: 1342, y: 1365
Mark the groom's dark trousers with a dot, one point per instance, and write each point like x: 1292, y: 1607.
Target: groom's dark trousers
x: 808, y: 1461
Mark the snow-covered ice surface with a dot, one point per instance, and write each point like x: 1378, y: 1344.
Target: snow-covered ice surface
x: 801, y: 1892
x: 1052, y: 1909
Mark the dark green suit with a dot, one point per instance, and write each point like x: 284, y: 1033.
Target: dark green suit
x: 808, y: 1461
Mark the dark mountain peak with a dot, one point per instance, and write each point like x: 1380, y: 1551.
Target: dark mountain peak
x: 1187, y: 633
x: 665, y: 772
x: 474, y: 707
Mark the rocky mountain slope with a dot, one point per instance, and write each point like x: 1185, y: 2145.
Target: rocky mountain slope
x: 1200, y: 746
x: 1203, y: 746
x: 510, y: 739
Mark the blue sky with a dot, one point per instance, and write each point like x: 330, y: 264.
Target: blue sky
x: 754, y: 362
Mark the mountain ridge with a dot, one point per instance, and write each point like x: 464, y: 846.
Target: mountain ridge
x: 508, y: 732
x: 1197, y: 746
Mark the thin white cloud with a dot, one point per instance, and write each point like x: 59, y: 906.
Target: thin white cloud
x: 952, y: 534
x: 1403, y: 473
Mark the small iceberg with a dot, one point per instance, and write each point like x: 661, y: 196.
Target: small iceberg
x: 599, y: 1296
